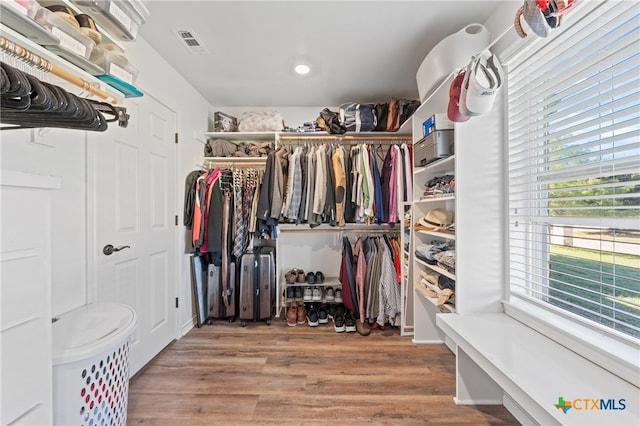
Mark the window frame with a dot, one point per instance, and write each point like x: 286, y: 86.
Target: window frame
x: 613, y: 350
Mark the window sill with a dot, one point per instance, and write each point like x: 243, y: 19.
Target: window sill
x: 620, y: 357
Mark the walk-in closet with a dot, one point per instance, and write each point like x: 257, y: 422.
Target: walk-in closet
x: 250, y: 212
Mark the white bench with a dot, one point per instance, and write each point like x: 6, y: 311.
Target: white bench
x: 500, y: 360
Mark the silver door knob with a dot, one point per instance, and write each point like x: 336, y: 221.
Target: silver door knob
x: 110, y: 249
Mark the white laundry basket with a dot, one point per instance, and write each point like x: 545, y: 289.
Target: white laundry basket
x: 91, y: 365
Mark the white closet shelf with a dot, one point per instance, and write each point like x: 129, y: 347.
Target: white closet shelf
x: 349, y: 227
x: 327, y: 283
x: 242, y: 136
x: 443, y: 235
x: 433, y: 199
x: 444, y: 165
x: 446, y: 308
x: 301, y: 136
x: 62, y: 64
x: 235, y: 161
x: 439, y: 270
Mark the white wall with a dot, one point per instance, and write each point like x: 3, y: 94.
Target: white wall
x: 57, y: 152
x: 62, y: 152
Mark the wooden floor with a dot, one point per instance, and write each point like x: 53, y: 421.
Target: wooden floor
x: 225, y: 374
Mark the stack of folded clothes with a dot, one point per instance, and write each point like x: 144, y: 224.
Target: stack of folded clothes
x: 439, y: 186
x: 225, y: 148
x: 428, y: 252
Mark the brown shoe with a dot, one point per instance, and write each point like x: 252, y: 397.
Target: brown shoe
x: 363, y: 328
x: 302, y: 313
x: 292, y: 314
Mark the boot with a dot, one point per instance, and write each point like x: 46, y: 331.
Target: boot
x: 292, y: 314
x: 302, y: 313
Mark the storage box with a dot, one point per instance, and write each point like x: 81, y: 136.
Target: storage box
x: 114, y: 63
x: 438, y: 144
x: 71, y: 39
x: 224, y: 122
x: 20, y: 15
x: 121, y: 18
x: 27, y: 8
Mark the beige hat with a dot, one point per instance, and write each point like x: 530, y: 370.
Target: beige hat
x: 437, y: 219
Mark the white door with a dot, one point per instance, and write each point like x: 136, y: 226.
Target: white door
x: 132, y: 184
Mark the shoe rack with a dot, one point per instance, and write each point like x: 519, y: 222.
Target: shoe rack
x: 312, y: 250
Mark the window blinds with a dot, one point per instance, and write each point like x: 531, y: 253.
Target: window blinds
x: 574, y: 168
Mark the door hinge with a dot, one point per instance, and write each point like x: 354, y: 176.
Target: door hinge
x: 176, y: 137
x: 177, y: 303
x: 176, y: 220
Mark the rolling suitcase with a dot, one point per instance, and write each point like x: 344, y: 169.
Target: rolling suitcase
x: 257, y: 285
x: 221, y: 302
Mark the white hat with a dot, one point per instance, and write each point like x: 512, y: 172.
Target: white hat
x: 485, y: 78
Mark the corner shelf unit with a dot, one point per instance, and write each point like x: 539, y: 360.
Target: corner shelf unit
x: 425, y: 305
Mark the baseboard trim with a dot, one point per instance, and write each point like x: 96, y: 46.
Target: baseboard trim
x: 517, y: 411
x: 476, y: 401
x: 186, y: 327
x: 427, y: 342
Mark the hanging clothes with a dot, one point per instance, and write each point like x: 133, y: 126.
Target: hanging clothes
x: 340, y: 184
x: 347, y: 278
x: 377, y: 188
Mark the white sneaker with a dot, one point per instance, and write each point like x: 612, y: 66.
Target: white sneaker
x: 307, y: 295
x: 316, y: 294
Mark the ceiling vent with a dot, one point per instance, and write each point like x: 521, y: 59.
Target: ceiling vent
x: 191, y: 41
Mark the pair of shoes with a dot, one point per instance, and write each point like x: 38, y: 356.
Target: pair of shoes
x: 301, y: 314
x: 308, y: 294
x: 349, y: 322
x: 338, y: 296
x: 292, y: 314
x: 330, y: 295
x: 317, y: 278
x: 362, y: 328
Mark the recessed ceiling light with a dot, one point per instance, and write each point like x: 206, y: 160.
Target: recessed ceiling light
x: 302, y: 69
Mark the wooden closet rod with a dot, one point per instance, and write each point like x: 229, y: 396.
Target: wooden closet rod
x: 44, y: 65
x: 345, y: 138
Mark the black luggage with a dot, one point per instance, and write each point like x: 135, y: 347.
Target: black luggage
x: 257, y: 285
x: 221, y: 296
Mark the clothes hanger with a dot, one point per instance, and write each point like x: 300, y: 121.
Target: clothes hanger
x: 28, y: 102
